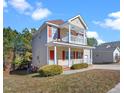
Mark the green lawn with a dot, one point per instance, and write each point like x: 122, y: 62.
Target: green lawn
x: 92, y: 81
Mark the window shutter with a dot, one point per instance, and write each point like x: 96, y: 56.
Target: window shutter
x: 51, y: 55
x: 63, y: 55
x: 77, y: 54
x: 59, y: 33
x: 50, y: 31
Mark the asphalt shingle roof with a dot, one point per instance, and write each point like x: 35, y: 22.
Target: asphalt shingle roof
x: 57, y: 22
x: 110, y: 46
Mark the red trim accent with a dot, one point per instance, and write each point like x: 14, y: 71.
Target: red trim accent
x: 51, y: 55
x: 49, y: 31
x: 63, y: 55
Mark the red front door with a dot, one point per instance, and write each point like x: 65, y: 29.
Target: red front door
x: 51, y: 55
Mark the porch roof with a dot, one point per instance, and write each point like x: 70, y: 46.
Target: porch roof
x: 55, y: 43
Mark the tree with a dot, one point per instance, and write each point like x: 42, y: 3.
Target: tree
x: 10, y: 41
x: 92, y: 42
x: 17, y: 47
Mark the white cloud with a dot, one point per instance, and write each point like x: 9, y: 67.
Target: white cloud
x: 40, y: 13
x: 4, y: 3
x: 36, y: 12
x: 20, y: 5
x: 115, y: 14
x: 113, y: 21
x: 93, y: 34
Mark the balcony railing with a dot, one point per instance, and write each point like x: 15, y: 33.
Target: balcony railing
x: 77, y: 40
x: 73, y: 39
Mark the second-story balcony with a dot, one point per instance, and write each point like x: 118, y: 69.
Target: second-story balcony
x: 72, y: 34
x: 74, y: 39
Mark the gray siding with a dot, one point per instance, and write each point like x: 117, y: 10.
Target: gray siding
x: 39, y: 49
x: 102, y: 57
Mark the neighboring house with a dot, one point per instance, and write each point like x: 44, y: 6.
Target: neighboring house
x: 62, y: 43
x: 107, y: 53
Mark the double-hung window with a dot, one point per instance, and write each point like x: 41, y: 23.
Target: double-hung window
x: 54, y: 33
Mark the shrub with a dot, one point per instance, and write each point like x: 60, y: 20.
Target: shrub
x: 17, y: 61
x: 79, y: 66
x: 50, y: 70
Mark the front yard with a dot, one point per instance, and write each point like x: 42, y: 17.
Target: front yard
x: 92, y: 81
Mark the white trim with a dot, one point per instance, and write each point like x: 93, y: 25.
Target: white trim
x: 55, y: 59
x: 80, y: 19
x: 68, y: 44
x: 69, y: 27
x: 84, y: 37
x: 47, y: 34
x: 91, y: 56
x: 69, y: 56
x: 47, y: 55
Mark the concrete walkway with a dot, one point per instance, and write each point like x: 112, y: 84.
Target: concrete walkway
x: 75, y: 71
x: 105, y: 66
x: 116, y: 89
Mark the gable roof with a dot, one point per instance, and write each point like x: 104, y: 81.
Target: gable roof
x: 110, y: 46
x: 81, y: 19
x: 59, y: 22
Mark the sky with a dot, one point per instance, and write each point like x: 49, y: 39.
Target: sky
x: 101, y: 16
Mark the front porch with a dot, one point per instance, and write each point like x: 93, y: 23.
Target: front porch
x: 66, y: 56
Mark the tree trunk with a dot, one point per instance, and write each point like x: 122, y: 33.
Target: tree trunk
x: 9, y: 60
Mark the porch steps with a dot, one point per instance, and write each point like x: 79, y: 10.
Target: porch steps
x: 65, y: 68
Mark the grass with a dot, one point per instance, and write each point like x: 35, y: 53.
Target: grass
x: 92, y: 81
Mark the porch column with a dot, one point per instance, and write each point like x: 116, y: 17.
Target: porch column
x: 69, y: 28
x: 69, y: 56
x: 84, y: 38
x: 91, y: 56
x: 55, y: 51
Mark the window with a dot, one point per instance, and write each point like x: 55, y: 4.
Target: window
x: 54, y: 33
x: 37, y: 57
x: 72, y: 55
x: 66, y: 55
x: 97, y: 55
x: 51, y: 55
x: 80, y: 55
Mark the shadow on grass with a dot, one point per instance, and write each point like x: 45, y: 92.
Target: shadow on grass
x: 20, y: 72
x: 37, y: 75
x: 105, y: 63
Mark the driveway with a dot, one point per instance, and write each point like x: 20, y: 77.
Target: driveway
x: 107, y: 66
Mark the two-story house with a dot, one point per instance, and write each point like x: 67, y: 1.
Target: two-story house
x: 62, y: 43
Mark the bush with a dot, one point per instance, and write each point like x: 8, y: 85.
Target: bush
x: 79, y: 66
x: 50, y: 70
